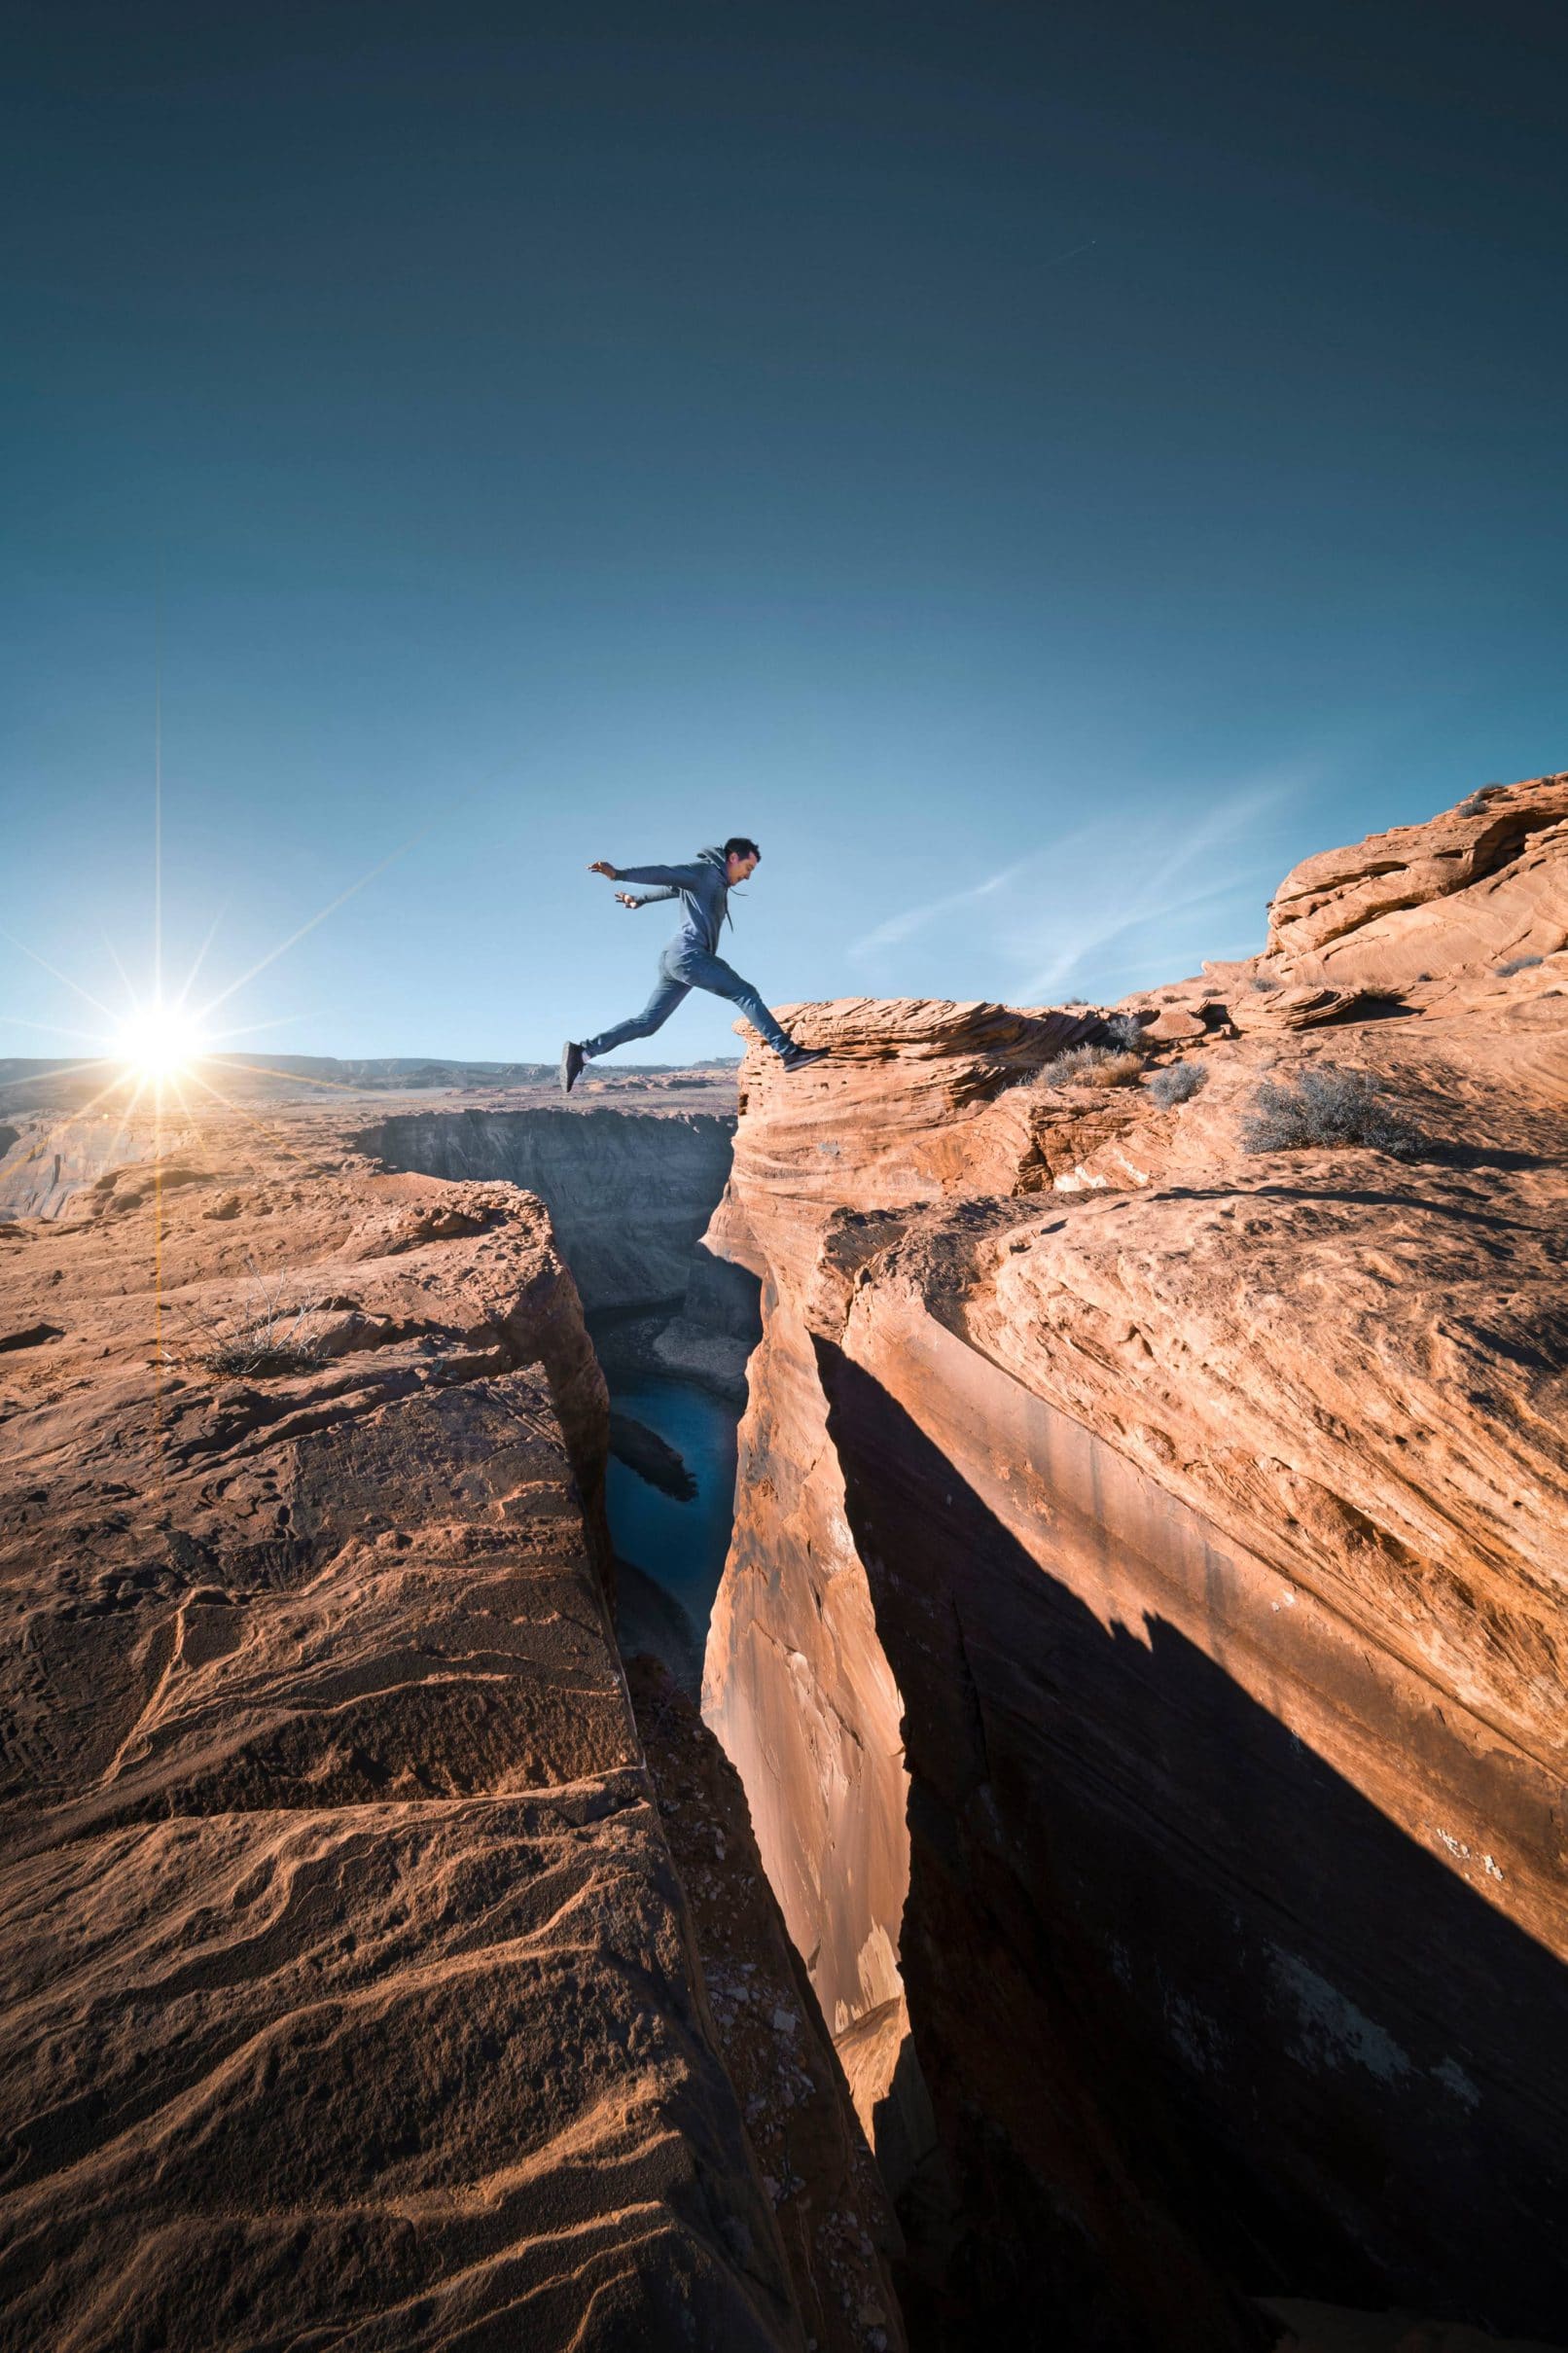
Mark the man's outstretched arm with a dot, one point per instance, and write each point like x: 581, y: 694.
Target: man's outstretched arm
x: 667, y: 877
x: 625, y: 874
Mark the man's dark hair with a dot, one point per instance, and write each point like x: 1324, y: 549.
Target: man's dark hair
x: 740, y: 846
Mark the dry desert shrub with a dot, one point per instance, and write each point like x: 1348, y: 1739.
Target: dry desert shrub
x: 268, y: 1333
x: 1515, y: 964
x: 1125, y: 1032
x: 1177, y: 1083
x: 1089, y: 1066
x: 1327, y: 1105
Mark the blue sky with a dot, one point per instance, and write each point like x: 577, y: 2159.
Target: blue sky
x: 1040, y: 472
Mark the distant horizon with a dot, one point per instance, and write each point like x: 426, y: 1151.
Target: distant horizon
x: 35, y: 1065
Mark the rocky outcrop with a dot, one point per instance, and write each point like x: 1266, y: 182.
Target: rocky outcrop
x: 629, y: 1193
x: 1142, y: 1640
x: 350, y: 1991
x: 1474, y: 886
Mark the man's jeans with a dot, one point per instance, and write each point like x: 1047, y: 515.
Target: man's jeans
x: 679, y: 973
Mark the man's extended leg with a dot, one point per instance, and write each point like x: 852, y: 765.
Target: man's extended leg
x: 723, y: 981
x: 654, y: 1016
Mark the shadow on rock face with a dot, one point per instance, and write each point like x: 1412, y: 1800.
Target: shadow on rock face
x: 644, y: 1451
x: 650, y: 1621
x: 1183, y: 1998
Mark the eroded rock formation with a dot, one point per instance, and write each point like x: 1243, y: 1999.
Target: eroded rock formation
x: 1142, y: 1640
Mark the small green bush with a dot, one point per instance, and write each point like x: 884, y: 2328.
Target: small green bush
x: 1327, y: 1105
x: 1177, y: 1083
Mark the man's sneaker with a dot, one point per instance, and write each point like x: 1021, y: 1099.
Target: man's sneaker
x: 572, y: 1060
x: 800, y: 1058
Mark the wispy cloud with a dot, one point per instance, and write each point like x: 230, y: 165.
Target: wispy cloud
x: 1134, y: 891
x: 1138, y: 884
x: 915, y: 919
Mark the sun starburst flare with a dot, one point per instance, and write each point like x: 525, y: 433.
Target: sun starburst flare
x: 160, y: 1042
x: 152, y: 1047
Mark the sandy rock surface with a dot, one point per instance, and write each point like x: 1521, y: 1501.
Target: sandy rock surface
x: 349, y: 1988
x: 1147, y: 1605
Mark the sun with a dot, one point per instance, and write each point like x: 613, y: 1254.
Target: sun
x: 159, y: 1042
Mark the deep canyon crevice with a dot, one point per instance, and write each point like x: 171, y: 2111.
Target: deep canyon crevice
x: 629, y: 1194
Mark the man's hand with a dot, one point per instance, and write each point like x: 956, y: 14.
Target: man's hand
x: 602, y: 866
x: 625, y: 898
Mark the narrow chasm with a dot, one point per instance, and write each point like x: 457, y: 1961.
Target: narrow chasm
x: 670, y: 1499
x: 630, y: 1195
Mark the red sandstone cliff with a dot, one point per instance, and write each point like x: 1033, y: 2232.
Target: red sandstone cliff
x: 1142, y: 1640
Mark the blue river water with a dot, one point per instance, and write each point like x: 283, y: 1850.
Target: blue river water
x: 680, y: 1546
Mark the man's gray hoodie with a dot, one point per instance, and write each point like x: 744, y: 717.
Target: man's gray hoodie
x: 703, y: 890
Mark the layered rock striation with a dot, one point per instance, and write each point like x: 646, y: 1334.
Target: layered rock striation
x: 1143, y: 1639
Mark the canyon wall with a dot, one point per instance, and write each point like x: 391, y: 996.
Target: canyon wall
x: 629, y: 1193
x: 45, y: 1162
x: 1142, y: 1642
x: 351, y: 1994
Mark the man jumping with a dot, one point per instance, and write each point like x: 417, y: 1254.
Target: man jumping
x: 691, y: 960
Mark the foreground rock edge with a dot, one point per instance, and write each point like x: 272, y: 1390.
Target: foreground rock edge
x: 350, y: 1982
